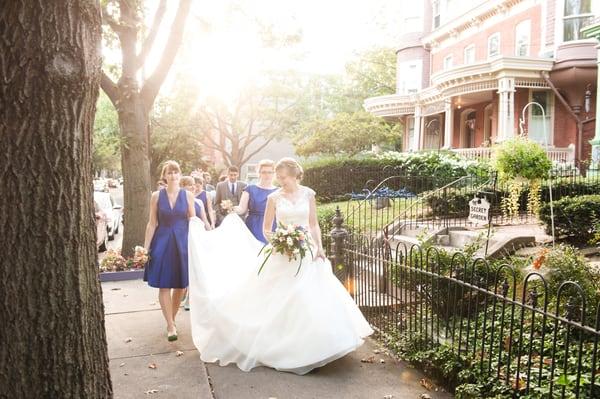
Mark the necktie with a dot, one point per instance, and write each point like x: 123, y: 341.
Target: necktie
x: 232, y: 188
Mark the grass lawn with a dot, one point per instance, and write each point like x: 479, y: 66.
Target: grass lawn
x: 363, y: 215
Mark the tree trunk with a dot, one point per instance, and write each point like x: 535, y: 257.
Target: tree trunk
x: 135, y: 164
x: 53, y: 343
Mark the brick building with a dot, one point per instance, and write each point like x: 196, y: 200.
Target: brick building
x: 466, y: 69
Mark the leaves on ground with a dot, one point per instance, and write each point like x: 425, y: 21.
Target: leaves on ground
x: 427, y: 384
x: 128, y: 340
x: 115, y: 289
x: 179, y: 353
x: 388, y: 396
x: 370, y: 359
x: 122, y: 364
x: 151, y: 391
x: 424, y: 396
x: 152, y: 366
x: 381, y: 361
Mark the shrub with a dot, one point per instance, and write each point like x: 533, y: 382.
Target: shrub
x: 334, y: 178
x: 573, y: 216
x: 517, y: 161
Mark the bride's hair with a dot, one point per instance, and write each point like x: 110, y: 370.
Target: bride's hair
x: 291, y: 166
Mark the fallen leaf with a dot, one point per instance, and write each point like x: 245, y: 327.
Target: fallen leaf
x: 381, y: 361
x: 115, y: 289
x: 151, y: 391
x: 427, y: 384
x: 179, y: 353
x: 388, y: 396
x: 370, y: 359
x: 128, y: 340
x: 424, y: 396
x: 152, y: 366
x: 122, y: 364
x: 376, y: 351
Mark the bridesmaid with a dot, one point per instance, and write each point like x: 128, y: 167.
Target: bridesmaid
x: 254, y: 199
x: 202, y: 195
x: 166, y: 243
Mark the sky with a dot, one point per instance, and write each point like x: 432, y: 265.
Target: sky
x: 224, y: 51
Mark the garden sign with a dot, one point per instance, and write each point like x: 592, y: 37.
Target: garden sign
x: 479, y: 211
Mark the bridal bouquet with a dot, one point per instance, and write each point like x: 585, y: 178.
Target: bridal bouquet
x: 289, y: 240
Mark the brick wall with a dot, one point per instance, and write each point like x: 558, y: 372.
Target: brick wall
x: 507, y: 40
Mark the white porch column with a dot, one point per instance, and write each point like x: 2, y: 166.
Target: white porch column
x: 448, y: 124
x: 416, y: 145
x: 506, y: 108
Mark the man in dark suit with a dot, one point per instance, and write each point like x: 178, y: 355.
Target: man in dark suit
x: 230, y: 189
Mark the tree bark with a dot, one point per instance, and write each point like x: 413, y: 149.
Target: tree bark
x: 135, y: 165
x: 52, y: 339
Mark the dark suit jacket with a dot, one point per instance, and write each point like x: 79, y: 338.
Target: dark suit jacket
x: 223, y: 193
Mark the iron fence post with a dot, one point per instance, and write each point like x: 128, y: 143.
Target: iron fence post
x: 338, y: 236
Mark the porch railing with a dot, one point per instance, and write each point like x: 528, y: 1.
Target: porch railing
x: 556, y: 154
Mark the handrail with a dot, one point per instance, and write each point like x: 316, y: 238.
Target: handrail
x: 420, y: 199
x: 392, y: 177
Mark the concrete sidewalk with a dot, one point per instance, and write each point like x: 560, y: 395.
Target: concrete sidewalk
x: 137, y: 339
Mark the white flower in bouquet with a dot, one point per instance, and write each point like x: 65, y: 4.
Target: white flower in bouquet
x: 291, y: 241
x: 227, y: 206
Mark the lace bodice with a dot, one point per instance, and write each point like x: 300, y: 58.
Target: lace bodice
x: 288, y: 212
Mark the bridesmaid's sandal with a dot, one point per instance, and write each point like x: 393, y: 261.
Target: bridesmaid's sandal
x: 172, y: 336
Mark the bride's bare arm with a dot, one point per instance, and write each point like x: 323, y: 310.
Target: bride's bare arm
x: 315, y: 230
x: 269, y: 217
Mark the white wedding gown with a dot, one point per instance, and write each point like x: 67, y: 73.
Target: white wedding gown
x: 275, y: 319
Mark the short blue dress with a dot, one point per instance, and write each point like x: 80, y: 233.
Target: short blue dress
x: 257, y: 203
x: 203, y: 197
x: 168, y: 264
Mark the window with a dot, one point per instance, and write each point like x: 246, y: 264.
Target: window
x: 469, y: 54
x: 448, y: 62
x: 537, y: 123
x: 522, y: 36
x: 494, y: 45
x: 436, y: 13
x: 409, y: 77
x: 577, y: 15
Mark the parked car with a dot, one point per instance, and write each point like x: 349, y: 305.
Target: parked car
x: 101, y: 185
x: 113, y: 211
x: 101, y: 228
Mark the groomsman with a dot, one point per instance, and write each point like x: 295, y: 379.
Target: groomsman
x: 229, y: 189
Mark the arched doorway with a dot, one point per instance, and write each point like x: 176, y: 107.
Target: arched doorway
x: 467, y: 128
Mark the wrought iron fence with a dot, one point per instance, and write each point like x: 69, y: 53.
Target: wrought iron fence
x: 514, y: 330
x: 442, y: 200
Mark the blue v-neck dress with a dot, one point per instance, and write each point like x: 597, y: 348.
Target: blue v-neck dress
x: 168, y: 264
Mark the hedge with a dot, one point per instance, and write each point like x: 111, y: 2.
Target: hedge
x: 336, y: 178
x: 573, y: 216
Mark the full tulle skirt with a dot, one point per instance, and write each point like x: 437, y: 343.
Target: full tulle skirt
x: 277, y: 319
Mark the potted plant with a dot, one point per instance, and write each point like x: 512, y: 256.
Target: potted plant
x: 520, y: 161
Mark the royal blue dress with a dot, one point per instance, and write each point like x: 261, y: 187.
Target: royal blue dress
x: 202, y: 197
x: 257, y: 203
x: 168, y: 264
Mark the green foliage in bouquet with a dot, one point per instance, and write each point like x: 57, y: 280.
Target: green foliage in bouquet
x: 519, y: 161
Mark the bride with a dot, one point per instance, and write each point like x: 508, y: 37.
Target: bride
x: 276, y: 318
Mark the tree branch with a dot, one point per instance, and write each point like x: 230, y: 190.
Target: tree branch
x: 153, y: 83
x: 256, y: 151
x: 110, y: 20
x: 110, y: 88
x: 149, y: 41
